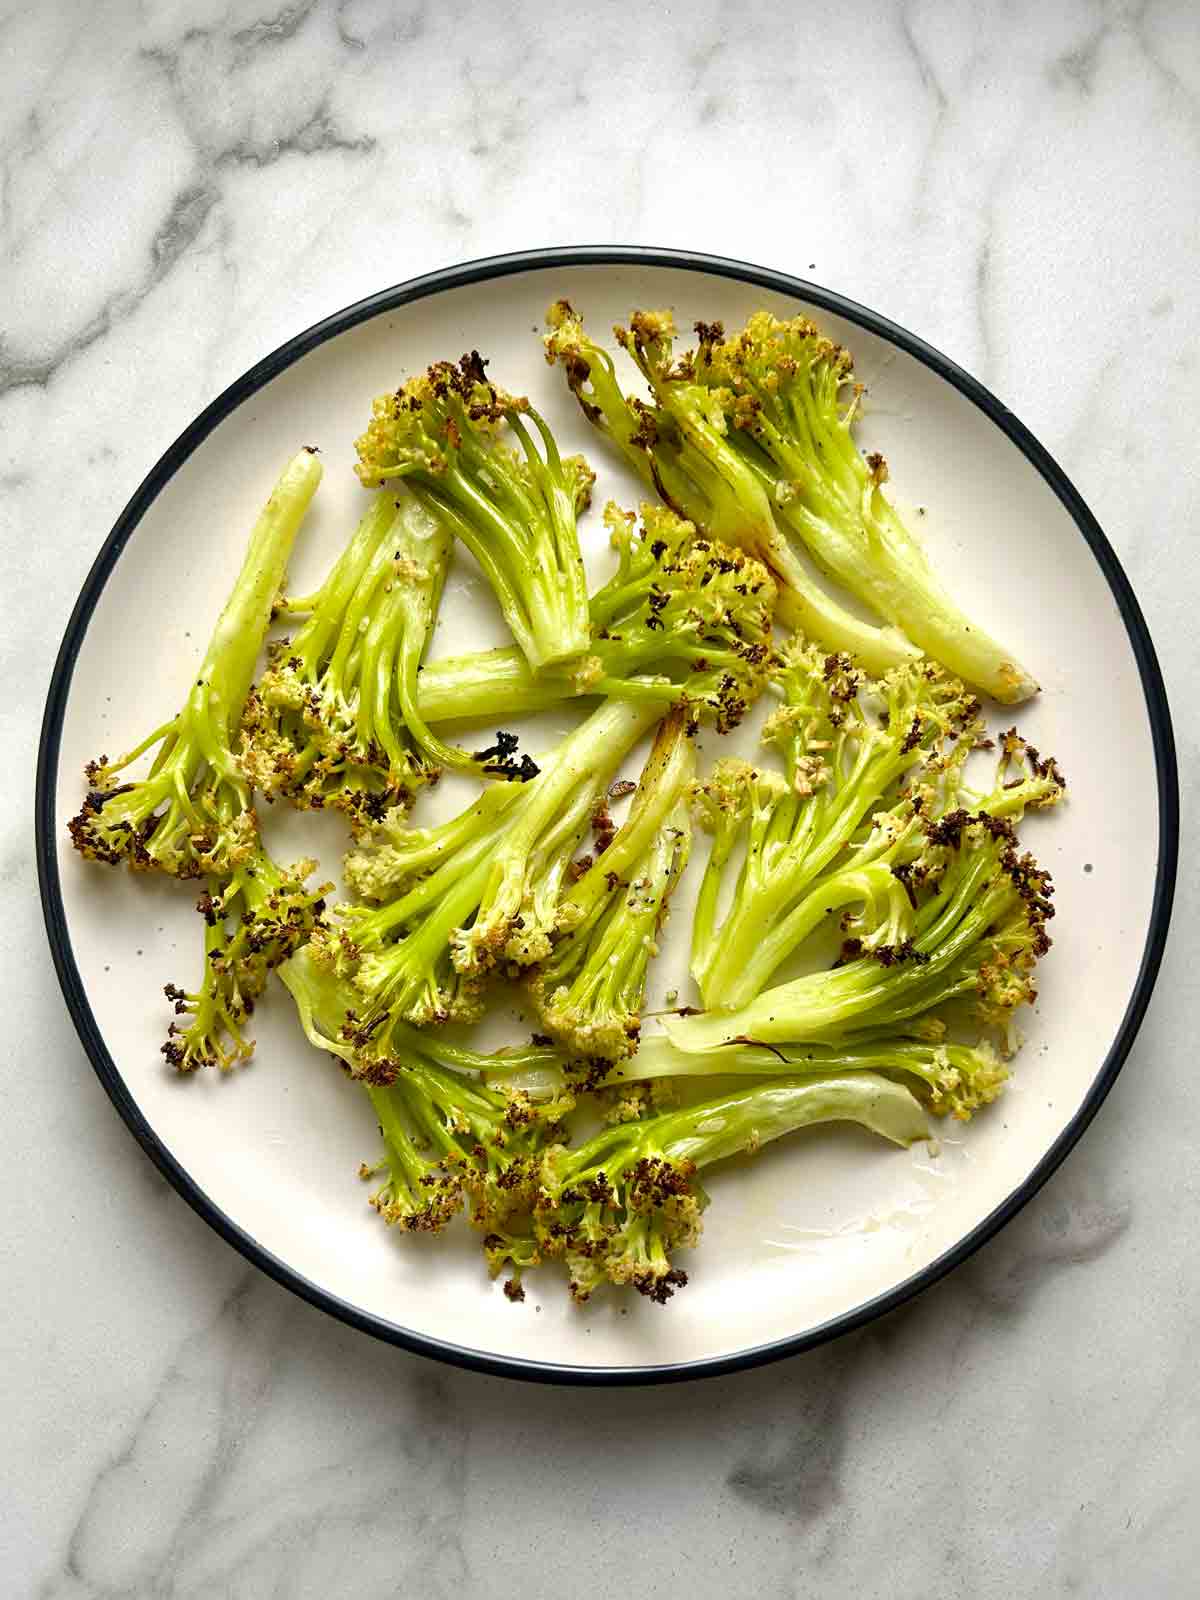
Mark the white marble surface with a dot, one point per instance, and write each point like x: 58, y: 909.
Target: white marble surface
x: 184, y: 185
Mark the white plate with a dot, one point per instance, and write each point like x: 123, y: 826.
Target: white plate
x: 819, y: 1233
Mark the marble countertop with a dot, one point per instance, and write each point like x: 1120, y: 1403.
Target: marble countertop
x: 184, y: 185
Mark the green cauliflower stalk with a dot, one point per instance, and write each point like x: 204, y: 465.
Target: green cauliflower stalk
x: 617, y: 1207
x: 787, y: 405
x: 477, y: 894
x: 333, y: 720
x: 515, y: 510
x: 692, y: 614
x: 325, y: 1005
x: 678, y: 445
x: 450, y: 1138
x: 975, y: 927
x: 590, y: 988
x: 950, y: 1078
x: 886, y: 757
x: 190, y: 815
x: 257, y: 919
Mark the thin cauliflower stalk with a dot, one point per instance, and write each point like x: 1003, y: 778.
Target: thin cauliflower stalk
x: 789, y: 402
x: 867, y: 766
x: 333, y: 721
x: 684, y: 618
x: 477, y: 895
x: 617, y: 1208
x: 190, y: 815
x: 678, y: 446
x: 444, y: 433
x: 590, y: 988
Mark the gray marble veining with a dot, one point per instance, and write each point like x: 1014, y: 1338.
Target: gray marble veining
x: 183, y: 185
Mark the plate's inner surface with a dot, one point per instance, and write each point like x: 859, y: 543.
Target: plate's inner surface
x: 813, y: 1227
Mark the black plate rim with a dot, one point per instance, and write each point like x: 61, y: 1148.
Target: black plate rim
x: 461, y: 275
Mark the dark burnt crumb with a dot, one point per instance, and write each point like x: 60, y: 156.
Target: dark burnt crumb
x: 613, y: 880
x: 998, y: 827
x: 578, y: 372
x: 622, y: 787
x: 578, y: 867
x: 888, y: 955
x: 850, y: 951
x: 948, y: 830
x: 603, y: 827
x: 840, y: 676
x: 542, y: 1040
x: 498, y: 759
x: 589, y: 1075
x: 378, y: 1073
x: 472, y: 367
x: 645, y: 436
x: 905, y: 872
x: 504, y: 747
x: 1047, y: 768
x: 658, y: 550
x: 660, y: 1290
x: 709, y: 333
x: 513, y: 1290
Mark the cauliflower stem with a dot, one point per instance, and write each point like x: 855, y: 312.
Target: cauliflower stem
x: 333, y: 722
x: 589, y: 989
x: 692, y: 614
x: 444, y: 433
x: 869, y: 768
x: 678, y: 448
x: 752, y: 437
x: 478, y: 894
x: 615, y: 1208
x: 190, y: 815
